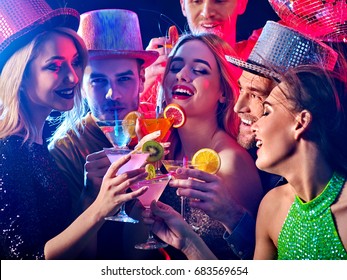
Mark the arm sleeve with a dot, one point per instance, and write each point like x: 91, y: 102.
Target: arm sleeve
x: 242, y: 239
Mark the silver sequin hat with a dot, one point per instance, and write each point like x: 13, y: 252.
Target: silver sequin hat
x: 21, y: 20
x: 114, y: 33
x: 280, y: 48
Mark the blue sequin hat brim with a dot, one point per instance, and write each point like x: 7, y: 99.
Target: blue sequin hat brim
x: 21, y: 20
x: 280, y: 48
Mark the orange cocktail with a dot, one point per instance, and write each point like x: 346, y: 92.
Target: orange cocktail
x: 149, y: 123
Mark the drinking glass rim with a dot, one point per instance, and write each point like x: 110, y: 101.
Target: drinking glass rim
x: 160, y: 177
x: 189, y: 163
x: 121, y: 150
x: 113, y: 122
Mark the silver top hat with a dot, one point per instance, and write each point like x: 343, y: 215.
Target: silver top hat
x: 21, y: 20
x: 280, y: 48
x: 114, y: 33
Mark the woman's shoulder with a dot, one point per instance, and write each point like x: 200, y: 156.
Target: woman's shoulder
x: 14, y: 154
x: 227, y: 144
x: 232, y: 152
x: 278, y: 197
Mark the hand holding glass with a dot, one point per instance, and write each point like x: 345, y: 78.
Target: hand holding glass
x: 118, y: 133
x: 156, y: 187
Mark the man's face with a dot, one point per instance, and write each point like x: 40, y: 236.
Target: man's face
x: 112, y: 87
x: 214, y: 16
x: 249, y: 106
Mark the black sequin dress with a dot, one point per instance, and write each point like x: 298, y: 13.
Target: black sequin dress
x: 34, y: 202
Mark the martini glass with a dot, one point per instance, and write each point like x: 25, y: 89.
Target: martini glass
x: 118, y: 133
x: 156, y: 187
x: 150, y: 122
x: 154, y: 121
x: 171, y: 166
x: 136, y: 161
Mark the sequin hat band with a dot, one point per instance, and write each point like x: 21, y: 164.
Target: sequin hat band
x: 21, y: 20
x: 280, y: 48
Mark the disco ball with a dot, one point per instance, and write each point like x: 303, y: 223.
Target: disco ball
x: 321, y: 19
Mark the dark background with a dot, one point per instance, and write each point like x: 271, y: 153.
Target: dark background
x: 156, y: 16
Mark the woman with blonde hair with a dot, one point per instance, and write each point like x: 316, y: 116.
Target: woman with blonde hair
x: 203, y: 83
x: 42, y: 60
x: 301, y: 136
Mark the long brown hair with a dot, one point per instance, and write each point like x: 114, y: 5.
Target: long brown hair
x: 324, y: 94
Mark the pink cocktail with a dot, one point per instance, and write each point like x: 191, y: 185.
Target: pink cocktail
x: 136, y: 161
x: 156, y: 187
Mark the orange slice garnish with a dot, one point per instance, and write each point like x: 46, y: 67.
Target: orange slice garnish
x: 132, y: 117
x: 176, y: 113
x: 207, y: 160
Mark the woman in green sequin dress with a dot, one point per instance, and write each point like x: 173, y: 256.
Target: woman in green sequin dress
x: 301, y: 137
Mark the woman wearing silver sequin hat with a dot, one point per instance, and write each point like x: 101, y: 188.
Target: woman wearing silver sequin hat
x: 42, y: 61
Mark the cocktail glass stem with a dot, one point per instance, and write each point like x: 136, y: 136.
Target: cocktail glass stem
x: 122, y: 216
x: 157, y: 167
x: 183, y: 207
x: 151, y: 243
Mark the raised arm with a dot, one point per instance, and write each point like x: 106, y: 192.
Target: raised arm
x: 73, y: 240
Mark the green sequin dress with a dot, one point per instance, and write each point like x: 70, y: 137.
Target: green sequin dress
x: 309, y: 231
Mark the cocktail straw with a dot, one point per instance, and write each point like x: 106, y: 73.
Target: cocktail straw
x: 116, y: 132
x: 157, y: 112
x: 160, y: 100
x: 183, y: 199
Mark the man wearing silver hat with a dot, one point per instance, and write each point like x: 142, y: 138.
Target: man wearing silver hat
x: 112, y: 82
x: 278, y: 49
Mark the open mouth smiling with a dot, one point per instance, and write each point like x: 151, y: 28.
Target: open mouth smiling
x: 210, y: 25
x: 258, y: 143
x: 66, y: 93
x: 181, y: 92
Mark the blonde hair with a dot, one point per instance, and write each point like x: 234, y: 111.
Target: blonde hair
x: 226, y: 117
x: 14, y: 118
